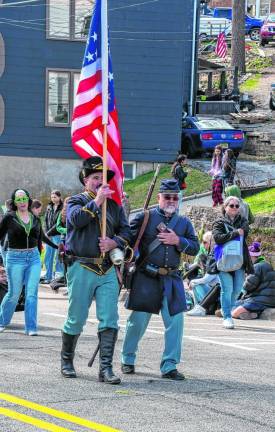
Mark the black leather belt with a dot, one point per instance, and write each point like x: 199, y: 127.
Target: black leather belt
x: 85, y: 260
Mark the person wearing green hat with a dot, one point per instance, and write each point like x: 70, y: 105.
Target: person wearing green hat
x: 245, y: 210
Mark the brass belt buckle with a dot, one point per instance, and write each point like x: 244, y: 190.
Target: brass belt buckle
x: 163, y: 271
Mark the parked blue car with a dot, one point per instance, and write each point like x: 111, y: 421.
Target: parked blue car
x: 202, y: 134
x: 252, y: 25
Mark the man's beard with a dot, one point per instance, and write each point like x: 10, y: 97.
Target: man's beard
x: 169, y: 210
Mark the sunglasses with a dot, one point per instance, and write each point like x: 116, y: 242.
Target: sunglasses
x: 20, y: 200
x: 171, y: 197
x: 234, y: 206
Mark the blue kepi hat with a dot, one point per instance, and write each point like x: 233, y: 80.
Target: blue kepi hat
x: 169, y: 186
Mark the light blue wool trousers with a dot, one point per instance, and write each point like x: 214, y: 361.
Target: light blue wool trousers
x: 136, y: 326
x: 83, y: 286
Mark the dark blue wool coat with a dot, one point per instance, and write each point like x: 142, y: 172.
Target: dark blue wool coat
x: 147, y: 292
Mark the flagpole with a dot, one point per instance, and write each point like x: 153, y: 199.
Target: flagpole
x: 105, y: 112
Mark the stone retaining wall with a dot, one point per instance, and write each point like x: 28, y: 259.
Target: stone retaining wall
x: 259, y: 144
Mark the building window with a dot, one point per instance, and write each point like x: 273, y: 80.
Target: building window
x: 60, y: 94
x: 129, y: 170
x: 68, y: 19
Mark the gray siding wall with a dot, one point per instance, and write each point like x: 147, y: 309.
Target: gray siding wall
x: 151, y: 51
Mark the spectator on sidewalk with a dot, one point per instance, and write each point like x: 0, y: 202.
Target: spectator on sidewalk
x: 228, y: 227
x: 203, y: 285
x: 216, y: 173
x: 52, y: 212
x: 36, y: 208
x: 25, y: 237
x: 61, y: 228
x: 245, y: 210
x: 4, y: 242
x: 259, y: 287
x: 229, y: 162
x: 179, y: 172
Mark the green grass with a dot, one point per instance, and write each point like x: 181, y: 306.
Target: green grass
x: 137, y: 189
x: 250, y: 84
x: 263, y: 202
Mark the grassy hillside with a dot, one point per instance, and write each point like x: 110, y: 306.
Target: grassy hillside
x: 137, y: 189
x: 263, y: 202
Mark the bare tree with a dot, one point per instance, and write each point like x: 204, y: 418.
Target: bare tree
x: 238, y: 35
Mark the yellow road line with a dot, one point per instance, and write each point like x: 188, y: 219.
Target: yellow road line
x: 33, y: 421
x: 58, y: 414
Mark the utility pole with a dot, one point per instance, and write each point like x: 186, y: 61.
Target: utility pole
x: 238, y: 35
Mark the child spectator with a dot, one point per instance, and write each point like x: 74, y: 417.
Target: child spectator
x: 229, y: 167
x: 216, y: 173
x: 178, y: 171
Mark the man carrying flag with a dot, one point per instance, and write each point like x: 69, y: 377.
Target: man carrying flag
x: 91, y: 273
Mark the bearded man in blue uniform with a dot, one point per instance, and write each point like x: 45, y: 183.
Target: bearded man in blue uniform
x: 91, y: 274
x: 157, y: 285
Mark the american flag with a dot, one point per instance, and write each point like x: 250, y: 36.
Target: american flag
x: 221, y: 47
x: 87, y: 128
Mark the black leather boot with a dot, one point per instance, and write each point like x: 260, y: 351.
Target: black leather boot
x: 67, y: 355
x: 107, y: 341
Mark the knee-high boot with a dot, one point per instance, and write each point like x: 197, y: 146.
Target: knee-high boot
x: 107, y: 341
x: 67, y: 355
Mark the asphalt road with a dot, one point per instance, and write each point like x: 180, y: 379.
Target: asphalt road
x: 229, y: 386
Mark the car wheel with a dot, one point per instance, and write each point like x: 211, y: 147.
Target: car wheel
x: 254, y: 34
x: 188, y: 148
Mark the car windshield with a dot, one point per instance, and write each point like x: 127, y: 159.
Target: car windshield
x: 271, y: 18
x: 212, y: 124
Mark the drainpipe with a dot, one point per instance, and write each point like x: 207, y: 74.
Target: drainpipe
x: 193, y: 83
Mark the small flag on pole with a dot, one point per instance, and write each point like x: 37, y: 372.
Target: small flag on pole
x: 87, y: 128
x: 221, y: 47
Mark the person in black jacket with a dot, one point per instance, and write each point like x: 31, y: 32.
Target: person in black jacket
x: 259, y: 288
x: 231, y: 226
x: 52, y: 212
x: 25, y: 237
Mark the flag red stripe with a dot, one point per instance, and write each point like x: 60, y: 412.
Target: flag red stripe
x: 86, y: 108
x: 89, y: 83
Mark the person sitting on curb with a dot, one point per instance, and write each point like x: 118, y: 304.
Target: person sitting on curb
x: 259, y: 288
x: 203, y: 286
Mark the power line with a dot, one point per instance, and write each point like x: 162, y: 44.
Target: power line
x: 18, y: 3
x: 29, y: 3
x: 134, y: 5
